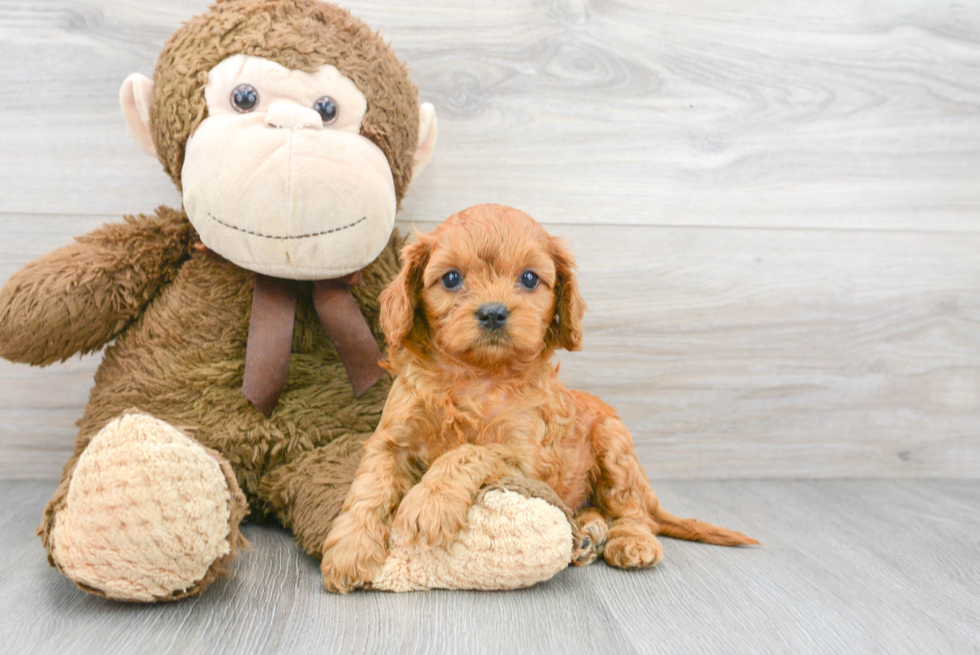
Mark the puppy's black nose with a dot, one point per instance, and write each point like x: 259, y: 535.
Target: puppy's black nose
x: 492, y: 316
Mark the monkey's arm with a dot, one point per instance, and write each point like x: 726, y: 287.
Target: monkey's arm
x: 81, y: 296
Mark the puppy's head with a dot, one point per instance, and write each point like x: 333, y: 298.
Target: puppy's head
x: 487, y: 287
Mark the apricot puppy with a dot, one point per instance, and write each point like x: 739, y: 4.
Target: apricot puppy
x: 471, y: 321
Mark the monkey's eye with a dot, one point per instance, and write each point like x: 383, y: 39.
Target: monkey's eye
x: 529, y: 280
x: 452, y: 280
x: 327, y: 108
x: 244, y: 98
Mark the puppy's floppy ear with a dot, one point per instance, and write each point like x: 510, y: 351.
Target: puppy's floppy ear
x: 400, y: 300
x: 566, y: 326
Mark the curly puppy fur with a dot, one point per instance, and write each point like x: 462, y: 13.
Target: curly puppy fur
x: 476, y: 400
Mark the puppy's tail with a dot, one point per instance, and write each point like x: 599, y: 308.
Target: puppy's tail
x: 695, y: 530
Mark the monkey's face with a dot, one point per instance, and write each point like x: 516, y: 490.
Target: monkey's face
x: 278, y: 178
x: 291, y: 158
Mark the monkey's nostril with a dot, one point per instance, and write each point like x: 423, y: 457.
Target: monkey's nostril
x: 492, y: 315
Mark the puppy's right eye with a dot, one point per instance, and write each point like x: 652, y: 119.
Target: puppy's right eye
x: 529, y: 280
x: 452, y: 280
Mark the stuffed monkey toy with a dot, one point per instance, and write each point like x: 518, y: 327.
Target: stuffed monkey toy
x: 241, y: 374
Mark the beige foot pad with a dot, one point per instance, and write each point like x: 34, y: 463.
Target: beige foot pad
x: 514, y: 538
x: 150, y: 514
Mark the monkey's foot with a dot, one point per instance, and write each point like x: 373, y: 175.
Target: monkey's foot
x: 517, y: 533
x: 150, y: 514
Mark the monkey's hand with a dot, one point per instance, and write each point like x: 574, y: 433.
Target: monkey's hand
x: 79, y: 297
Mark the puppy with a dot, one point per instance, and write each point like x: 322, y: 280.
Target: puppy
x: 472, y: 320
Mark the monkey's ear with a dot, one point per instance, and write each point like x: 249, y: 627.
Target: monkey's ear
x: 401, y: 299
x: 566, y: 327
x: 135, y: 98
x: 427, y: 137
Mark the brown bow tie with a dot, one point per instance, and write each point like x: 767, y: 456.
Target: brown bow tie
x: 270, y: 336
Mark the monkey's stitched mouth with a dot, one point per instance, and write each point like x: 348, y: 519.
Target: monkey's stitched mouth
x: 275, y: 236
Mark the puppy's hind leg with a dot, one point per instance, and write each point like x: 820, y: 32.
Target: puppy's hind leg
x: 626, y: 490
x: 623, y: 493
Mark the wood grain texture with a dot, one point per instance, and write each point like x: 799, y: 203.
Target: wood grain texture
x: 728, y: 353
x: 774, y: 207
x: 837, y: 114
x: 847, y: 567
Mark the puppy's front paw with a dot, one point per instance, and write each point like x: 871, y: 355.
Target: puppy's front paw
x: 351, y: 563
x: 428, y: 519
x: 632, y: 547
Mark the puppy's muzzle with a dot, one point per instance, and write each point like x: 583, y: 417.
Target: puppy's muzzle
x: 492, y: 316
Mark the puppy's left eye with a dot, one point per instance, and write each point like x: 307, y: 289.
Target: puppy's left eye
x: 529, y: 280
x: 452, y: 280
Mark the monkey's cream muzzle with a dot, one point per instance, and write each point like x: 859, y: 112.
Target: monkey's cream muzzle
x: 276, y: 190
x: 299, y: 203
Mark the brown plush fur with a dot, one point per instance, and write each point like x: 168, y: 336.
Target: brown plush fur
x: 317, y: 479
x: 300, y: 35
x: 472, y: 405
x: 180, y: 356
x: 176, y: 316
x: 69, y: 288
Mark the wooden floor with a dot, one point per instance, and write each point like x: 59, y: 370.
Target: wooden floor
x: 848, y: 567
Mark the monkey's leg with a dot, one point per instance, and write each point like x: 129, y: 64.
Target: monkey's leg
x: 307, y: 494
x: 146, y: 514
x: 436, y: 508
x: 448, y: 533
x: 517, y: 532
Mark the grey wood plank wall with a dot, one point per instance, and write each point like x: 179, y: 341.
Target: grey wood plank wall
x: 774, y: 206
